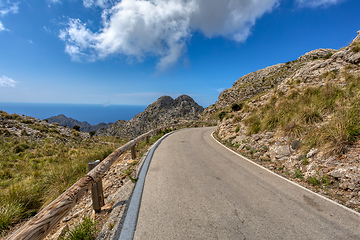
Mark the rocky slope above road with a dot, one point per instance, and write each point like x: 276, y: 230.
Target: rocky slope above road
x: 300, y: 119
x: 164, y: 111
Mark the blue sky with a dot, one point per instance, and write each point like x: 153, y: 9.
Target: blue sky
x: 134, y: 51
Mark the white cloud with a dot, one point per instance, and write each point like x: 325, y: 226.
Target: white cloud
x: 316, y: 3
x: 160, y: 28
x: 7, y: 7
x: 2, y: 28
x: 98, y: 3
x: 54, y: 2
x: 7, y: 82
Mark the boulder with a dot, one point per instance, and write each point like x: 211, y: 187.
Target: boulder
x: 239, y: 139
x: 347, y: 185
x: 338, y: 173
x: 278, y: 152
x: 312, y: 153
x: 291, y: 163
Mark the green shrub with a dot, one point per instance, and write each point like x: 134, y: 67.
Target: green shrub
x: 21, y: 147
x: 313, y: 180
x: 86, y: 230
x: 222, y: 115
x: 327, y: 56
x: 76, y: 128
x: 236, y: 107
x: 305, y: 161
x: 27, y: 121
x: 325, y: 180
x: 298, y: 174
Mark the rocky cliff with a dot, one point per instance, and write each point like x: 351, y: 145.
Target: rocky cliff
x: 164, y: 111
x: 300, y: 119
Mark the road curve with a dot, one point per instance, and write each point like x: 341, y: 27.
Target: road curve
x: 197, y: 189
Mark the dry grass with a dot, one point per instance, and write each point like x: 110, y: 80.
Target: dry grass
x: 355, y: 46
x: 34, y: 171
x: 301, y: 114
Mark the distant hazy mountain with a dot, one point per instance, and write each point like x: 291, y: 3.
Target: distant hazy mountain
x: 62, y: 120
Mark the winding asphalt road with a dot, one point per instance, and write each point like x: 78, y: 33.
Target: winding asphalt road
x: 197, y: 189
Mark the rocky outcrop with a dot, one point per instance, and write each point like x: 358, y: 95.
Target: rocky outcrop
x: 164, y: 111
x: 62, y: 120
x: 34, y: 129
x: 306, y: 68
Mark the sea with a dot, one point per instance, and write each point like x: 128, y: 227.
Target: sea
x: 91, y: 113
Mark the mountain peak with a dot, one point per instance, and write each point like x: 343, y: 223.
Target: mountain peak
x: 184, y: 98
x: 162, y: 112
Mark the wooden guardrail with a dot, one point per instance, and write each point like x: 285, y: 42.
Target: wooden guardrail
x: 42, y: 223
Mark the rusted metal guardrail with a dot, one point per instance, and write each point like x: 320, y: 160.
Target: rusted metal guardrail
x: 41, y: 224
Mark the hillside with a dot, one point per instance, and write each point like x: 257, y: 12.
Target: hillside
x: 164, y: 111
x: 38, y: 161
x: 62, y: 120
x: 300, y: 119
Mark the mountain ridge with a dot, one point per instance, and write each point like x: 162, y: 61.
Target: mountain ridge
x: 162, y: 112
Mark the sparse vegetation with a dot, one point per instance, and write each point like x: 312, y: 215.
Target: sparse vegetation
x: 314, y: 181
x: 36, y: 168
x: 92, y: 133
x: 296, y: 113
x: 355, y: 46
x: 222, y: 115
x: 327, y: 56
x: 298, y: 174
x: 86, y: 230
x: 236, y: 107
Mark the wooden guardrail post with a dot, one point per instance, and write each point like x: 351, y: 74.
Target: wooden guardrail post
x: 147, y: 139
x: 133, y: 152
x: 97, y: 194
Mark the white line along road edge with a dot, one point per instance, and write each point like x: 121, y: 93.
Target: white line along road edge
x: 129, y: 226
x: 212, y: 134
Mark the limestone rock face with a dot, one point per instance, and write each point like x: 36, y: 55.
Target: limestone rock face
x: 250, y: 85
x: 357, y: 37
x: 164, y: 111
